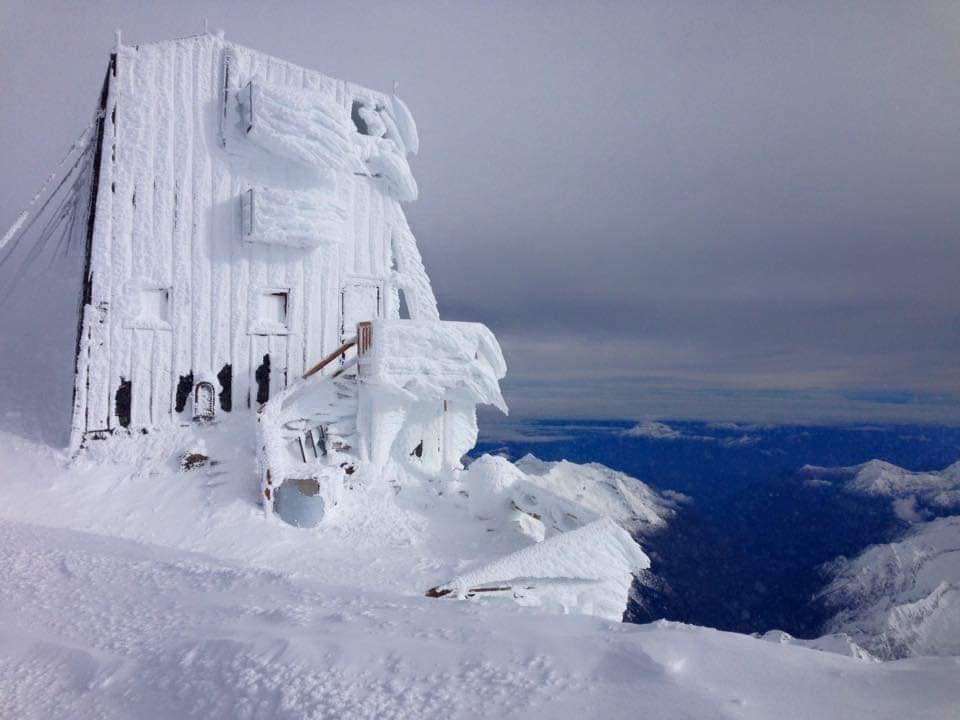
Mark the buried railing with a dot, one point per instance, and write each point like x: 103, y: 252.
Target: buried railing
x: 339, y: 352
x: 362, y: 340
x: 277, y: 429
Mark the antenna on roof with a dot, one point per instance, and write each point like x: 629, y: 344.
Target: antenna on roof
x: 206, y: 26
x: 118, y: 38
x: 396, y: 87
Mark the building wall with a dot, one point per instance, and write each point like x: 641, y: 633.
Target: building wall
x: 174, y: 288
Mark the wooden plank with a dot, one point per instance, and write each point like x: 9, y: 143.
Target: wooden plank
x: 97, y: 407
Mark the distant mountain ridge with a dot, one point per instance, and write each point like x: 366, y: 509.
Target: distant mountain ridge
x: 901, y: 598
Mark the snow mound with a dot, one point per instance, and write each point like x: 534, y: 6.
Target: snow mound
x: 588, y: 571
x: 838, y: 643
x: 393, y: 532
x: 903, y: 598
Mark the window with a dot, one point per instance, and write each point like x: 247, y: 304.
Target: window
x: 270, y: 314
x: 150, y: 308
x: 273, y: 308
x: 155, y: 304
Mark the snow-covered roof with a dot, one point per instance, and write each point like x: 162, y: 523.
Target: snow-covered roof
x: 316, y: 78
x: 441, y: 360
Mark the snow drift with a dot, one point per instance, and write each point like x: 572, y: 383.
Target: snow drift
x: 589, y: 570
x: 99, y: 627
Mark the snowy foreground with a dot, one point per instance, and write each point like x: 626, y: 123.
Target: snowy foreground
x: 100, y: 627
x: 133, y: 589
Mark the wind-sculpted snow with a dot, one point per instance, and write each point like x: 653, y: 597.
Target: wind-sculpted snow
x: 391, y: 531
x: 97, y: 627
x: 436, y: 360
x: 302, y: 125
x: 588, y: 570
x: 295, y: 218
x: 839, y: 643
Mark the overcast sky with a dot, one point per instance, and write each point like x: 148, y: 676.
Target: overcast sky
x: 663, y: 209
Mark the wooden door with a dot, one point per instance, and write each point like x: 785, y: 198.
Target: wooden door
x: 360, y: 301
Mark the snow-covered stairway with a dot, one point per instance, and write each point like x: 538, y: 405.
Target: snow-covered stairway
x: 407, y: 394
x: 307, y: 434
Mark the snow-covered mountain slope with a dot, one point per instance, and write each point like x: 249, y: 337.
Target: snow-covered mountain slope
x: 902, y: 598
x: 97, y: 627
x: 652, y: 430
x: 603, y: 492
x: 915, y: 495
x: 396, y: 532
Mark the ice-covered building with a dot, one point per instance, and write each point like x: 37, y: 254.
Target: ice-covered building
x: 245, y: 218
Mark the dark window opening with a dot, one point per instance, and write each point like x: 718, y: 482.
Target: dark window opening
x: 418, y: 450
x: 358, y: 121
x: 122, y: 401
x: 404, y: 309
x: 262, y: 376
x: 225, y: 378
x: 184, y: 388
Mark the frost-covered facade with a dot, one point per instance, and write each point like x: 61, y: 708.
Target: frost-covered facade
x: 245, y: 217
x: 253, y: 297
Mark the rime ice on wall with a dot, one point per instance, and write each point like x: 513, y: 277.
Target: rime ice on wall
x: 410, y: 277
x: 246, y: 295
x: 294, y: 218
x: 430, y: 360
x: 422, y: 381
x: 408, y: 400
x: 299, y: 124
